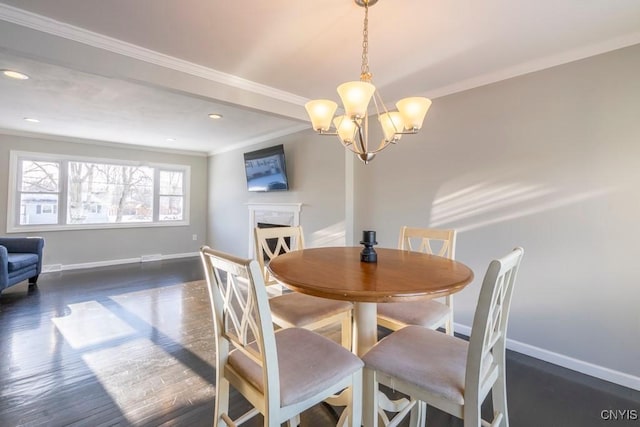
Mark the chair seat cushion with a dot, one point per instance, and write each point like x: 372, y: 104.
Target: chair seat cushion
x: 19, y: 261
x: 308, y: 363
x: 428, y: 313
x: 431, y: 360
x: 300, y: 310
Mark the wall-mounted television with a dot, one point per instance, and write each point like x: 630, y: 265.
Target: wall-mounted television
x: 266, y: 169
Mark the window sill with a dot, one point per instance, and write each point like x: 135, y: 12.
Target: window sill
x: 43, y: 227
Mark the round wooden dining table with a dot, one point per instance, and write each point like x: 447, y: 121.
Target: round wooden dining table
x: 398, y: 275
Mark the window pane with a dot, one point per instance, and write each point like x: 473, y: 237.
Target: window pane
x: 171, y: 183
x: 104, y: 193
x: 40, y: 176
x: 38, y: 208
x: 171, y: 208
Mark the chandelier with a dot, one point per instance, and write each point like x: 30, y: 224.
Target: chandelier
x: 352, y: 128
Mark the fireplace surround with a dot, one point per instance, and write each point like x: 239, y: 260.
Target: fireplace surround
x: 287, y: 214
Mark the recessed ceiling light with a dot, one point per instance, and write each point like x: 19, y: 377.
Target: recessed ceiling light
x: 171, y: 139
x: 29, y: 119
x: 215, y: 116
x: 14, y: 75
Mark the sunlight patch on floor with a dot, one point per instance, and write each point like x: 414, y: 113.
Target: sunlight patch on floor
x: 160, y: 308
x: 90, y: 323
x: 140, y: 376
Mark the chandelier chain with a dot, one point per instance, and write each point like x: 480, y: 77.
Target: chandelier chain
x: 365, y: 75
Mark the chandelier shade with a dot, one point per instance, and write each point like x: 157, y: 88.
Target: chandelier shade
x: 346, y: 129
x: 321, y: 112
x: 413, y: 110
x: 392, y: 124
x: 357, y: 97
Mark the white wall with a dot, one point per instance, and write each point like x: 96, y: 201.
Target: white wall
x: 549, y: 161
x: 105, y: 246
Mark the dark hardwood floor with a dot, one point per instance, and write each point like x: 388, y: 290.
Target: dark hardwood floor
x: 131, y: 346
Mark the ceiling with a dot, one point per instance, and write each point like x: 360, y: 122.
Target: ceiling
x: 148, y: 72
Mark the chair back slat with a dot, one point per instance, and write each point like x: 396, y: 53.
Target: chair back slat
x: 241, y: 314
x: 271, y: 242
x: 488, y: 334
x: 432, y: 241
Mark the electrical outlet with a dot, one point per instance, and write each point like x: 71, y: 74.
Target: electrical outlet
x: 195, y: 237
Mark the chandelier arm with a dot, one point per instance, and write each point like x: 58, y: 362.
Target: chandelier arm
x: 349, y: 146
x: 375, y: 103
x: 383, y: 144
x: 408, y: 132
x: 326, y: 132
x: 384, y: 107
x: 362, y: 143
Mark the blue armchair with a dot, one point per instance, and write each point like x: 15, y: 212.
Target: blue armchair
x: 20, y: 259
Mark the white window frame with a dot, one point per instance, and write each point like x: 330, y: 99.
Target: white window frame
x: 13, y: 203
x: 157, y: 194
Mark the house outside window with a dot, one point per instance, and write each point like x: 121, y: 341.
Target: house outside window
x: 49, y: 192
x: 39, y: 185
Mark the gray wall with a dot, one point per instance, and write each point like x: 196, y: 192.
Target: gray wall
x: 91, y: 246
x: 548, y: 161
x: 316, y: 171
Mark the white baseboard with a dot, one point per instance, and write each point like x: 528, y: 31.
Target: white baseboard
x: 151, y: 258
x: 177, y: 256
x: 568, y: 362
x: 51, y: 268
x: 144, y: 258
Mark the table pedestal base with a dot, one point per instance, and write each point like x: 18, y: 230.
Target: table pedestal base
x: 365, y: 336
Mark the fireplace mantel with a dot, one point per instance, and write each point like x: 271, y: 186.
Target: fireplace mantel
x: 275, y: 213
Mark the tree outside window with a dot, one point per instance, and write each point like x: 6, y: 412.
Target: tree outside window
x: 171, y: 195
x: 105, y: 193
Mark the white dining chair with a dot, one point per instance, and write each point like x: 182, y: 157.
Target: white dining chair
x: 430, y: 313
x: 448, y: 372
x: 295, y: 309
x: 280, y: 373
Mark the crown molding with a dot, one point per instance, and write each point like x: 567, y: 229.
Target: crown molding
x: 110, y: 144
x: 261, y: 138
x: 100, y: 41
x: 537, y: 65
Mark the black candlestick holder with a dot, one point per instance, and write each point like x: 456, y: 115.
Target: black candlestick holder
x: 368, y: 254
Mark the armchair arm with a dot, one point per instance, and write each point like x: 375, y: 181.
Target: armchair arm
x: 30, y: 245
x: 4, y: 267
